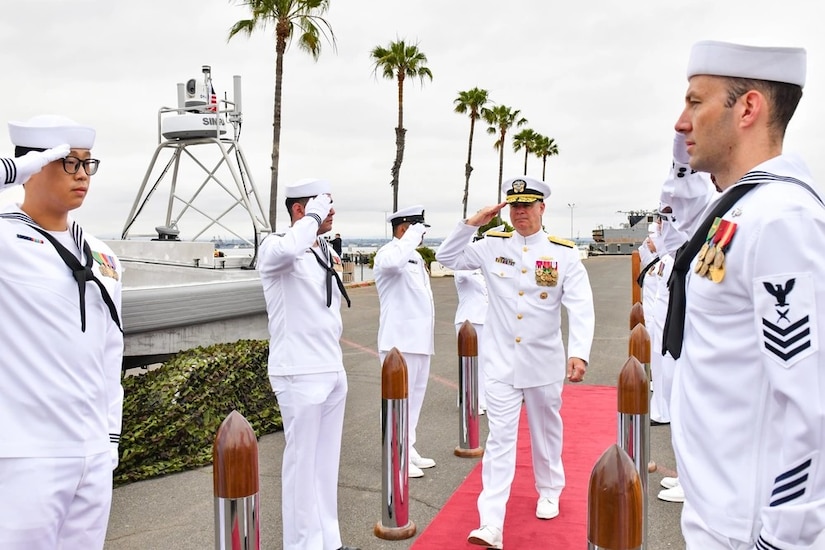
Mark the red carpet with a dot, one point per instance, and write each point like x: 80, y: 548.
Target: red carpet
x: 589, y: 414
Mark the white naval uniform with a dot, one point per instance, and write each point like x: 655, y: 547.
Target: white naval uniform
x: 306, y: 370
x: 62, y: 400
x: 748, y: 400
x: 650, y: 287
x: 661, y: 366
x: 407, y: 316
x: 524, y: 357
x: 472, y: 306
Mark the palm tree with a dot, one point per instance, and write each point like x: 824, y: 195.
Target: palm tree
x: 398, y: 61
x: 472, y: 101
x: 545, y: 147
x: 291, y: 18
x: 526, y: 139
x: 501, y: 118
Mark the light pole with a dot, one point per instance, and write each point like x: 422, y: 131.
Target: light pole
x: 572, y: 205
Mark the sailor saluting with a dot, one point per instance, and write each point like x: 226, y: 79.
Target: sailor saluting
x: 62, y: 347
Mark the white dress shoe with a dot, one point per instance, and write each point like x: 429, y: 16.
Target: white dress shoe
x: 674, y: 494
x: 421, y: 462
x: 486, y: 536
x: 669, y: 482
x: 547, y: 508
x: 414, y: 471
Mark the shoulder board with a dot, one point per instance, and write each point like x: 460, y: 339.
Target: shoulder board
x: 559, y: 240
x: 500, y: 234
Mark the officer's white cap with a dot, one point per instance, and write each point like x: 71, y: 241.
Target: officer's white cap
x: 709, y: 57
x: 411, y: 214
x: 525, y: 189
x: 47, y: 131
x: 307, y: 187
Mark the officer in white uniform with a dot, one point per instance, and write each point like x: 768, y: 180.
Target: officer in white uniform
x: 62, y: 352
x: 530, y: 276
x: 299, y: 273
x: 407, y: 316
x: 748, y: 402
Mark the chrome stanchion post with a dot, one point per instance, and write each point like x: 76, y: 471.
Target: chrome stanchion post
x: 468, y: 439
x: 235, y: 480
x: 634, y: 424
x: 395, y: 521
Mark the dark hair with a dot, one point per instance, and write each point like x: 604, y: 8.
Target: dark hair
x: 782, y: 97
x: 291, y: 202
x: 20, y: 151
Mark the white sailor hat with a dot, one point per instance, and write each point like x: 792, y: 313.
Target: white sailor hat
x: 47, y: 131
x: 525, y: 189
x: 307, y: 187
x: 412, y: 214
x: 725, y: 59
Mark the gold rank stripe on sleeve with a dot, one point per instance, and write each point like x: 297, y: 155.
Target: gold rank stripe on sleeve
x: 559, y: 240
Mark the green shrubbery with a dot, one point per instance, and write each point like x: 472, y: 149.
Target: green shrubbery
x: 171, y: 414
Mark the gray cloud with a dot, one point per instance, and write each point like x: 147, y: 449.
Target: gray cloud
x: 605, y: 80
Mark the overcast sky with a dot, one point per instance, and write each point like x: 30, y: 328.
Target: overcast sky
x: 605, y: 79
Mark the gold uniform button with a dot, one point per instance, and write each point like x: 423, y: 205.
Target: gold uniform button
x: 519, y: 316
x: 525, y: 249
x: 518, y: 339
x: 524, y: 270
x: 521, y: 293
x: 501, y: 274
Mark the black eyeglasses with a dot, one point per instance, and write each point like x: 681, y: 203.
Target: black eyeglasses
x: 72, y: 164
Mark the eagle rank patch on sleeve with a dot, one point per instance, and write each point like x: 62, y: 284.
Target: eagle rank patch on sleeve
x: 785, y: 310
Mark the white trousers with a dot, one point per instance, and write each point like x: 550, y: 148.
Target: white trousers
x: 55, y: 503
x: 499, y: 463
x: 482, y: 398
x: 312, y: 408
x: 418, y: 374
x: 663, y: 369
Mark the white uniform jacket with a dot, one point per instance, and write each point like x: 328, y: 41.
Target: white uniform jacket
x: 61, y: 392
x: 304, y: 332
x: 749, y: 392
x: 407, y: 316
x: 528, y: 280
x: 472, y: 297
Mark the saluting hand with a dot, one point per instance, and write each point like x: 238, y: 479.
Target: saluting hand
x: 575, y: 369
x: 485, y: 215
x: 19, y: 170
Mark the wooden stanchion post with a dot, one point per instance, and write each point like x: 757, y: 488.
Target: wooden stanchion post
x: 468, y: 444
x: 615, y: 511
x: 635, y: 270
x: 236, y: 485
x: 637, y: 315
x: 634, y: 423
x: 395, y: 521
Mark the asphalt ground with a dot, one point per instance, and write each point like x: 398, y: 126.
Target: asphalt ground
x: 178, y: 511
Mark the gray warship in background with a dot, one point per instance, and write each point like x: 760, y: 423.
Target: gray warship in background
x: 623, y: 239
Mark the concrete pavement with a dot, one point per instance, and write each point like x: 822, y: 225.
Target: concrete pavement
x: 177, y: 511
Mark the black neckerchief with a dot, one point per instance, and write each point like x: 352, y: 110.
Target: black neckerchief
x: 331, y: 273
x: 641, y: 279
x: 82, y: 273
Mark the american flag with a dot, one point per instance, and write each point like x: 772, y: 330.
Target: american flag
x: 213, y: 99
